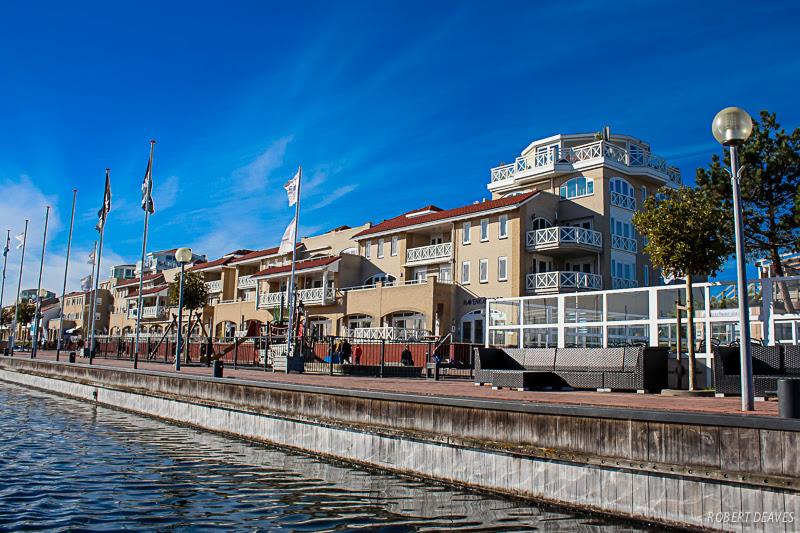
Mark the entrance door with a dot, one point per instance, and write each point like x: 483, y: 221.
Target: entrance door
x: 472, y: 327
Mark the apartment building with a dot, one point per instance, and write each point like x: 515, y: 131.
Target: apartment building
x: 162, y: 260
x: 78, y: 312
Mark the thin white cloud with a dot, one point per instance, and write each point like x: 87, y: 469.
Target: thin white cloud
x: 255, y: 175
x: 333, y: 196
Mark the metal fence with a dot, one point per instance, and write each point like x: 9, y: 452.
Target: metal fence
x: 323, y: 355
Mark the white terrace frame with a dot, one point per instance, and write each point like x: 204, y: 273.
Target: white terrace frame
x: 560, y: 315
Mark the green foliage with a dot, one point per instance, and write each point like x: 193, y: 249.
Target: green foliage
x: 7, y: 315
x: 687, y: 231
x: 195, y: 293
x: 770, y: 189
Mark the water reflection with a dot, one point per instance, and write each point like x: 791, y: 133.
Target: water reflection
x: 67, y: 465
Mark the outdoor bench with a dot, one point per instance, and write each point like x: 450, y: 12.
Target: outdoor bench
x: 770, y: 363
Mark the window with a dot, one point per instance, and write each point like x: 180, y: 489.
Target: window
x: 367, y: 249
x: 621, y: 186
x: 393, y: 249
x: 646, y: 276
x: 644, y: 194
x: 502, y: 269
x: 502, y: 226
x: 540, y: 223
x: 483, y: 270
x: 577, y: 187
x: 445, y: 273
x: 465, y: 272
x: 465, y: 237
x: 484, y: 229
x: 381, y: 242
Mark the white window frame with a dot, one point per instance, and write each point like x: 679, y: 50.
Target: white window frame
x: 466, y: 229
x: 465, y: 269
x: 484, y: 229
x: 381, y: 244
x: 483, y: 271
x: 502, y: 227
x: 368, y: 249
x: 588, y: 182
x: 446, y: 267
x: 502, y: 268
x: 393, y: 246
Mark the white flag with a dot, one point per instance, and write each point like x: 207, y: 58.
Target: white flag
x: 287, y: 242
x: 91, y: 258
x: 86, y: 283
x: 20, y: 240
x: 292, y: 185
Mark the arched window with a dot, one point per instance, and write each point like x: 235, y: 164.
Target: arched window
x: 622, y: 194
x: 387, y: 279
x: 620, y: 186
x: 540, y: 223
x: 577, y: 187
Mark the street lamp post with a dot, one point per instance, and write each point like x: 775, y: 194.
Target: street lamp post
x: 731, y: 127
x: 182, y: 256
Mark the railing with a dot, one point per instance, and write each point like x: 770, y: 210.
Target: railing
x: 586, y: 152
x: 623, y: 283
x: 563, y: 280
x: 623, y: 201
x: 626, y: 244
x: 389, y: 333
x: 563, y: 235
x: 246, y: 282
x: 214, y: 286
x: 152, y: 311
x: 307, y: 296
x: 426, y: 253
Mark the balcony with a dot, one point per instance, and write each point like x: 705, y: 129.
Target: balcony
x: 430, y: 254
x: 153, y: 311
x: 388, y: 333
x: 246, y: 282
x: 623, y: 283
x: 623, y: 201
x: 564, y: 238
x: 316, y: 295
x: 214, y: 286
x: 626, y: 244
x: 565, y: 159
x: 560, y: 280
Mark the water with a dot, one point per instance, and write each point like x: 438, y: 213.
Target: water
x: 67, y: 465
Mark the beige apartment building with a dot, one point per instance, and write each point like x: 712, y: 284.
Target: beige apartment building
x: 78, y: 312
x: 559, y: 220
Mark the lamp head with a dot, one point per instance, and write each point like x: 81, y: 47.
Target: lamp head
x: 732, y: 126
x: 183, y: 255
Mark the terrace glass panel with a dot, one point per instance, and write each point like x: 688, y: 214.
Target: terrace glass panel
x: 628, y: 306
x: 626, y: 335
x: 667, y: 334
x: 584, y: 337
x: 540, y: 338
x: 584, y: 308
x: 540, y: 311
x: 504, y: 313
x: 666, y: 302
x: 786, y: 295
x: 725, y: 301
x: 504, y: 338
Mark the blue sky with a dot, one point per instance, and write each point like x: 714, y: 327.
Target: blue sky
x: 388, y: 105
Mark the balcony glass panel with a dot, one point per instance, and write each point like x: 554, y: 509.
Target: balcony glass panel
x: 504, y: 313
x: 628, y: 306
x: 584, y: 308
x: 540, y: 338
x: 540, y: 311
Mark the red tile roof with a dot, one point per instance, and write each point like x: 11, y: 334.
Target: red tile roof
x: 170, y: 251
x: 256, y: 254
x: 145, y: 292
x: 209, y: 264
x: 300, y: 266
x: 135, y: 281
x: 404, y: 221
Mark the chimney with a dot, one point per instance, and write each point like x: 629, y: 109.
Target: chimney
x: 606, y: 133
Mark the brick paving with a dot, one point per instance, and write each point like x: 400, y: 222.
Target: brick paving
x: 456, y: 388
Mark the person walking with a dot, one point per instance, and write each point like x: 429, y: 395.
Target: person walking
x: 406, y: 358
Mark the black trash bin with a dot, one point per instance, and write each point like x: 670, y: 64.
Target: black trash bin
x: 71, y: 357
x: 218, y: 368
x: 789, y: 398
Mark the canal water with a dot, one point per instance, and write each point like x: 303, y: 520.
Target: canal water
x: 67, y: 465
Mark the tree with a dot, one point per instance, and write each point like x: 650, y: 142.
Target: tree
x: 770, y: 187
x: 195, y: 293
x: 25, y: 312
x: 687, y: 235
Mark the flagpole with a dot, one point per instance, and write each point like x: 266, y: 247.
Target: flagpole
x: 144, y: 251
x: 89, y: 292
x: 290, y: 334
x: 35, y: 347
x: 66, y: 269
x: 6, y: 250
x: 97, y: 277
x: 19, y: 287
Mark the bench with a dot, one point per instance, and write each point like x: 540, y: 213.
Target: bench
x: 770, y: 363
x: 639, y: 368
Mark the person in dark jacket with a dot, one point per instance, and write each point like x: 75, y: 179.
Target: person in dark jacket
x: 406, y: 357
x: 347, y: 352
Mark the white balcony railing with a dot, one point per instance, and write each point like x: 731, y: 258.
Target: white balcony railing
x: 623, y: 201
x: 626, y: 244
x: 563, y: 280
x: 246, y: 282
x: 214, y: 286
x: 622, y: 283
x: 427, y: 253
x: 307, y: 296
x: 388, y: 333
x: 587, y: 152
x: 547, y: 237
x: 152, y: 311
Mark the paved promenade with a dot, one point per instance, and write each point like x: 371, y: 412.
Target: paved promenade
x: 454, y: 388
